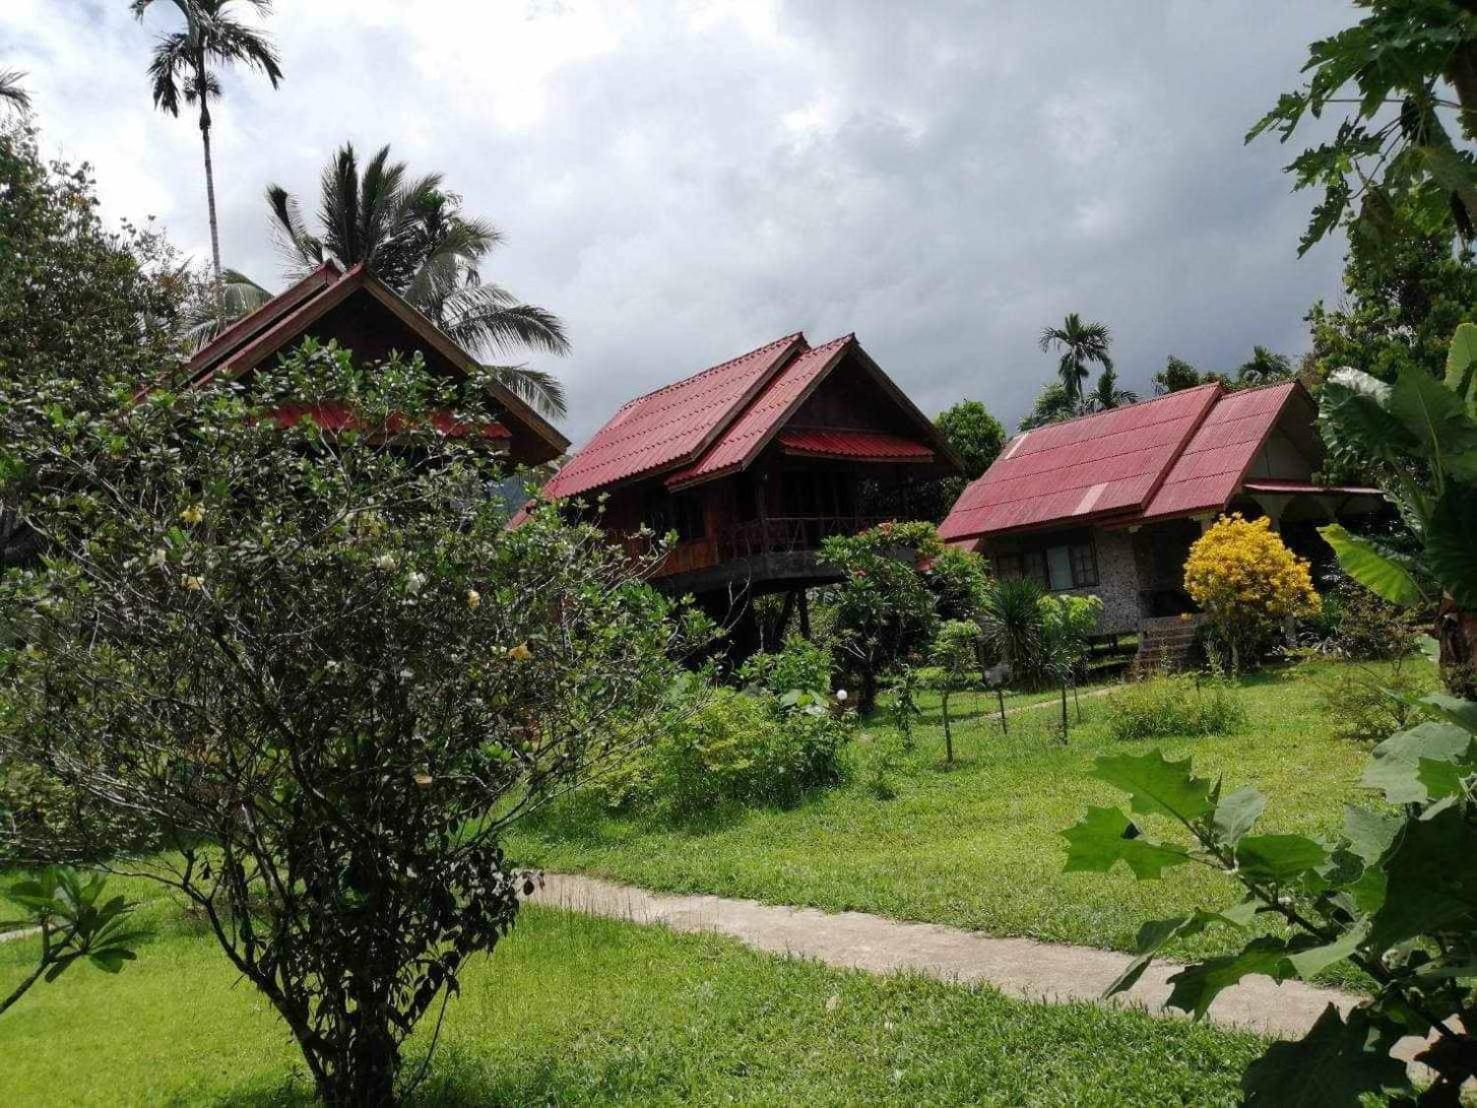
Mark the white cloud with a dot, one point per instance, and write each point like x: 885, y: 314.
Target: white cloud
x: 683, y: 181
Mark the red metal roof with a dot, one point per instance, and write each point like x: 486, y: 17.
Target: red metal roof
x: 747, y: 434
x: 1180, y: 454
x: 672, y: 425
x: 870, y: 445
x: 1113, y: 461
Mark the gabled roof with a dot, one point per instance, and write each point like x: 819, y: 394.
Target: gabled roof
x: 718, y: 421
x: 281, y: 321
x: 1181, y: 454
x: 672, y: 425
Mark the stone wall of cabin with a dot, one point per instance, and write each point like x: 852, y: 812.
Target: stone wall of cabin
x: 1118, y: 572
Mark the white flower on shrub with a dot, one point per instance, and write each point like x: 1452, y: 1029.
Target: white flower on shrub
x: 474, y: 599
x: 158, y: 557
x: 841, y: 695
x: 385, y: 562
x: 193, y: 583
x: 414, y: 583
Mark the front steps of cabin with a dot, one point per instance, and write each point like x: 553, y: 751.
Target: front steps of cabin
x: 1165, y: 644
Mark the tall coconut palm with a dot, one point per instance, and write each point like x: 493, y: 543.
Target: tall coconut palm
x: 1081, y: 344
x: 411, y: 233
x: 1107, y: 394
x: 12, y: 93
x: 183, y: 65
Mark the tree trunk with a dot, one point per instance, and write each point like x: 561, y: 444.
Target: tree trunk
x: 215, y: 233
x: 1456, y: 634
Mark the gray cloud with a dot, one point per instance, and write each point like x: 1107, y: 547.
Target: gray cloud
x: 684, y: 181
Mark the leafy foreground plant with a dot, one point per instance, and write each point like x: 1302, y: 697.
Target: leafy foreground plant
x: 73, y: 925
x: 1395, y: 895
x: 291, y: 628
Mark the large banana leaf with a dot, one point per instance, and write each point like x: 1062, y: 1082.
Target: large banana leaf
x: 1380, y: 570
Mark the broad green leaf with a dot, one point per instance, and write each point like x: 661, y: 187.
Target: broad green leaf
x: 1356, y: 405
x: 1314, y: 960
x: 1105, y: 836
x: 1443, y: 779
x: 1278, y: 858
x: 1154, y: 935
x: 1382, y: 572
x: 1461, y: 361
x: 1463, y: 713
x: 112, y: 959
x: 1195, y: 987
x: 1394, y: 767
x: 1451, y: 544
x: 1370, y: 833
x: 1155, y: 785
x: 1235, y: 814
x: 1336, y: 1063
x: 1431, y: 876
x: 1438, y: 418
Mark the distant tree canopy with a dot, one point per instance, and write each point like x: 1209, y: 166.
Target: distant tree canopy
x: 1052, y: 406
x: 974, y: 433
x: 1403, y: 299
x: 1177, y: 375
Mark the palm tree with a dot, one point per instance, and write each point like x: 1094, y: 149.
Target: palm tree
x: 182, y: 67
x: 242, y: 296
x: 412, y: 235
x: 1264, y: 368
x: 1107, y: 394
x: 12, y: 93
x: 1080, y: 344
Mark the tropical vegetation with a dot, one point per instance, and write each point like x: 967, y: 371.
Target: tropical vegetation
x: 412, y: 233
x: 1081, y: 344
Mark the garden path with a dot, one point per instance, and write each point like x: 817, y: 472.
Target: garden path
x: 1022, y: 968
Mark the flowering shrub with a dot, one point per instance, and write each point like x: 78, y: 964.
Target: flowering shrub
x: 1248, y: 582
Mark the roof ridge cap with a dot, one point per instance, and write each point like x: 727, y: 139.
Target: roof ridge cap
x: 1123, y: 407
x: 714, y: 368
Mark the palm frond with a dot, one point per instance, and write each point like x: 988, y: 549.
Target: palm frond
x: 536, y: 387
x: 301, y: 248
x: 485, y: 317
x: 240, y: 296
x: 12, y: 92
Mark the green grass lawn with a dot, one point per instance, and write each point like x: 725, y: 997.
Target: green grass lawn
x: 576, y: 1010
x: 977, y: 845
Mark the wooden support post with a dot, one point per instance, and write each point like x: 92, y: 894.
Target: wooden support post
x: 805, y: 614
x: 789, y: 607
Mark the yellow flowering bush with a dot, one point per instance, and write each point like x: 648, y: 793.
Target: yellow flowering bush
x: 1247, y: 582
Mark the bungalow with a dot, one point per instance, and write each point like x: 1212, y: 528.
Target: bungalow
x: 366, y: 317
x: 753, y: 462
x: 1109, y: 504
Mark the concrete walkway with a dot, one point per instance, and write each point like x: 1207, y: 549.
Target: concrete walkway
x: 1021, y: 968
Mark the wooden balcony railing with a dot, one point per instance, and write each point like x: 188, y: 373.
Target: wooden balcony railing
x: 753, y: 539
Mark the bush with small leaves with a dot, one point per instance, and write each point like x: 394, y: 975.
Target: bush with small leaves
x: 801, y: 664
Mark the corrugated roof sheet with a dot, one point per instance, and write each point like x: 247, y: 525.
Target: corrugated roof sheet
x: 1109, y: 462
x: 1206, y: 473
x: 673, y: 424
x: 870, y: 445
x: 1179, y: 454
x: 744, y: 435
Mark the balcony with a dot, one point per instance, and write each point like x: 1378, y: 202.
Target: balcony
x: 780, y: 549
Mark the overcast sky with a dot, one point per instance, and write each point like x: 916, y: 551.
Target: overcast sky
x: 682, y: 182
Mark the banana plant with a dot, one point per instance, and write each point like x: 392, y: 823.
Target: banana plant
x: 1420, y: 435
x: 75, y: 923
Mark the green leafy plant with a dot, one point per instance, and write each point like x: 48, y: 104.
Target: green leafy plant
x: 881, y: 611
x: 1013, y: 625
x: 1167, y: 706
x: 801, y: 664
x: 748, y: 747
x: 75, y: 923
x: 903, y: 709
x: 1420, y: 437
x: 955, y: 652
x: 1391, y: 896
x: 286, y: 624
